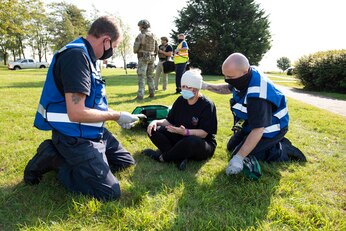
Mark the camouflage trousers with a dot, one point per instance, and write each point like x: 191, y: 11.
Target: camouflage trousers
x: 145, y: 71
x: 159, y: 70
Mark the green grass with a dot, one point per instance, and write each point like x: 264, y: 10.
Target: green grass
x: 285, y: 80
x: 157, y: 196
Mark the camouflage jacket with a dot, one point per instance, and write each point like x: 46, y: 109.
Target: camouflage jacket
x: 146, y: 43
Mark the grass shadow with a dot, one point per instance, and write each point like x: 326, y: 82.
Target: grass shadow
x: 240, y: 203
x: 36, y: 84
x: 24, y: 205
x: 151, y: 178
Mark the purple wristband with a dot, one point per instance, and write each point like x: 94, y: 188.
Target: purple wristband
x: 187, y: 132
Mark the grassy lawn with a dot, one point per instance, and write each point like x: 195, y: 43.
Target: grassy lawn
x: 157, y: 196
x: 285, y: 80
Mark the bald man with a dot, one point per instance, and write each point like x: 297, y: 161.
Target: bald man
x: 260, y: 115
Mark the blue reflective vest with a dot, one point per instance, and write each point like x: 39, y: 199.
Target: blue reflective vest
x: 261, y: 87
x: 52, y: 111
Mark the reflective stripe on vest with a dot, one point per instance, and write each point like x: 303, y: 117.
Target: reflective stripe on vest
x: 282, y: 113
x: 261, y: 87
x: 272, y: 128
x: 63, y: 118
x: 181, y: 57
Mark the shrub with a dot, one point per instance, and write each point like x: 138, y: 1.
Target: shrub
x: 323, y: 71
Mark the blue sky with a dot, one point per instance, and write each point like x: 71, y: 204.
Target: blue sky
x: 298, y: 27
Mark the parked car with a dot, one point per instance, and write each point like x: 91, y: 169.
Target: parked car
x: 131, y: 65
x: 26, y: 64
x: 110, y: 65
x: 290, y: 71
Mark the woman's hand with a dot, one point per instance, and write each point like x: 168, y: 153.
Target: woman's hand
x: 152, y: 126
x: 178, y: 130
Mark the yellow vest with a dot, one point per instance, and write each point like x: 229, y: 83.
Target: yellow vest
x: 181, y: 57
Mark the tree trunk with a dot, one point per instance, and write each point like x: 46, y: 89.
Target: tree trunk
x: 45, y: 48
x: 40, y: 48
x: 14, y: 54
x: 123, y: 55
x: 21, y: 48
x: 39, y: 54
x: 33, y: 51
x: 45, y: 54
x: 125, y: 67
x: 5, y: 57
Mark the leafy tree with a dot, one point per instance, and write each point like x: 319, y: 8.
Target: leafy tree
x: 66, y: 23
x: 12, y: 27
x: 125, y: 47
x: 18, y: 19
x: 215, y: 29
x: 283, y: 63
x: 38, y: 38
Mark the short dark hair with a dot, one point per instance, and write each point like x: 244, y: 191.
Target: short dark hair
x: 105, y: 25
x: 164, y: 38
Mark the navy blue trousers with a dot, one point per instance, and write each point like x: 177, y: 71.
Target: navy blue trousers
x: 88, y: 164
x: 179, y: 71
x: 267, y: 149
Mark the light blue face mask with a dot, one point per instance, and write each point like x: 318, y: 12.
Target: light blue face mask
x: 187, y: 94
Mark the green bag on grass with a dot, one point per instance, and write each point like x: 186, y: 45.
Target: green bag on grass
x: 251, y: 168
x: 152, y: 112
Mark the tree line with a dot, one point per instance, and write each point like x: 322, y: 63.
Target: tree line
x: 29, y: 24
x: 214, y: 29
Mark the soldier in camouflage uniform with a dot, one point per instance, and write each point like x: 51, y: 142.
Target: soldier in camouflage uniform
x: 146, y: 49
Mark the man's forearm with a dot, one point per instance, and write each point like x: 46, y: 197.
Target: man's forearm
x: 90, y: 115
x: 217, y: 88
x: 77, y: 112
x: 251, y: 141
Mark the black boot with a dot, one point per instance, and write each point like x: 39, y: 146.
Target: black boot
x: 182, y: 165
x: 292, y: 152
x: 152, y: 154
x: 46, y: 159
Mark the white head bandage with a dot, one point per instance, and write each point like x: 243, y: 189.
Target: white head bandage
x: 192, y: 78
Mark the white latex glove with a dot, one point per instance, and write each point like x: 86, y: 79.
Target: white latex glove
x: 127, y: 125
x: 126, y: 118
x: 235, y: 165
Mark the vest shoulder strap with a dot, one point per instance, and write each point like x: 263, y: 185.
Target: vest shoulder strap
x: 57, y: 81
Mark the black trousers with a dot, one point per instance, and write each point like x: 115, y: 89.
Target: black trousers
x: 175, y: 147
x: 267, y: 149
x: 88, y: 164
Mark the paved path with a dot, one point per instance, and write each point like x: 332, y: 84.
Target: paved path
x: 333, y: 105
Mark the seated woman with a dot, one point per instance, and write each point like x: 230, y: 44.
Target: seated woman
x: 189, y: 130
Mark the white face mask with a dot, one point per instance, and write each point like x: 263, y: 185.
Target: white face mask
x: 187, y: 94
